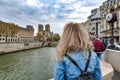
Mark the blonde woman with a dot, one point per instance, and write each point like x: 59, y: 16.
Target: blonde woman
x: 75, y: 43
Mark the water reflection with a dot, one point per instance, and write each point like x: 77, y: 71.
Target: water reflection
x: 36, y: 64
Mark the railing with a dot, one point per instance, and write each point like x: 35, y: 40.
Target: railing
x: 107, y: 71
x: 113, y: 57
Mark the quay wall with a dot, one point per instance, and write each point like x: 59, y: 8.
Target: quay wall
x: 13, y: 47
x: 113, y: 57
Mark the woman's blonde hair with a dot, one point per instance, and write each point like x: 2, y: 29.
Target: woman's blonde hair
x: 74, y: 39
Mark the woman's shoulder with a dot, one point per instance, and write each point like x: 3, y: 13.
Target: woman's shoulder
x: 79, y: 55
x: 94, y: 54
x: 74, y: 56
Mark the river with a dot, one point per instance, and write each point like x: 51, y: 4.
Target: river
x: 35, y: 64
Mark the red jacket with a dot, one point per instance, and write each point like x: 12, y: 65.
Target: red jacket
x: 98, y: 45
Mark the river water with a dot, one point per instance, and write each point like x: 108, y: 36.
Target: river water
x: 36, y: 64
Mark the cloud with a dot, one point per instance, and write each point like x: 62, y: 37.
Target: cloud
x: 33, y: 3
x: 65, y: 1
x: 55, y: 12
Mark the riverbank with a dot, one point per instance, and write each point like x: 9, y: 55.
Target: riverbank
x: 13, y: 47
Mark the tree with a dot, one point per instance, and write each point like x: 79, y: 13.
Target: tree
x: 39, y: 36
x: 56, y: 37
x: 49, y: 39
x: 14, y: 29
x: 9, y: 29
x: 2, y: 29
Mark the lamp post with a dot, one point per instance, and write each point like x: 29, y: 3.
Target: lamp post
x: 95, y: 18
x: 112, y: 46
x: 97, y: 29
x: 111, y: 18
x: 112, y: 33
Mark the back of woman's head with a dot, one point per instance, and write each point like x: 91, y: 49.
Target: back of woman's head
x: 74, y: 39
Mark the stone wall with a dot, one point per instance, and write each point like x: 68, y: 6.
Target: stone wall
x: 107, y: 71
x: 113, y: 57
x: 12, y: 47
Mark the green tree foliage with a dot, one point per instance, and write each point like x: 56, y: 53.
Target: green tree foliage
x: 39, y: 36
x: 14, y: 29
x: 2, y: 27
x: 56, y: 37
x: 49, y: 39
x: 8, y: 28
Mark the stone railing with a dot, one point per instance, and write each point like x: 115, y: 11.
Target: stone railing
x: 113, y: 57
x: 107, y: 71
x: 12, y: 47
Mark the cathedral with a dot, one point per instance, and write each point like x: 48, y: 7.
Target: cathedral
x: 45, y: 33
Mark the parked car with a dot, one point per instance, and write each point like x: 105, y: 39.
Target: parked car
x: 117, y: 46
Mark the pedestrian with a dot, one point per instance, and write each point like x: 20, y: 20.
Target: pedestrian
x: 75, y: 55
x: 99, y: 47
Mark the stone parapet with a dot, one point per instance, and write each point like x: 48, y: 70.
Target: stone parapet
x: 12, y: 47
x: 107, y: 71
x: 113, y: 57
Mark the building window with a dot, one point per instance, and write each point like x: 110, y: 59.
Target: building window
x: 111, y: 3
x: 107, y: 5
x: 115, y: 1
x: 4, y: 35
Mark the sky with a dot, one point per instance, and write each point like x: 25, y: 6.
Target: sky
x: 54, y: 12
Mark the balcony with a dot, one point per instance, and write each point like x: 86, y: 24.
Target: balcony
x: 116, y: 28
x: 106, y: 31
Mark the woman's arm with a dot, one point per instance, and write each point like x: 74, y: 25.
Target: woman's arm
x: 59, y: 71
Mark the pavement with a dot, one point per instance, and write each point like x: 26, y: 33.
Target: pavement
x: 116, y: 76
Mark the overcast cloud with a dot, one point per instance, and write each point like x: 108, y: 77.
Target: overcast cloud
x: 54, y: 12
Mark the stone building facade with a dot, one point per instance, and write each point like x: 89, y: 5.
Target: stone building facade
x: 21, y: 34
x: 93, y: 23
x: 89, y: 27
x: 105, y: 26
x: 25, y: 34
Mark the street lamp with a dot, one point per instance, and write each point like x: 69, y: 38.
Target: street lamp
x: 97, y: 29
x: 111, y: 18
x: 95, y: 18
